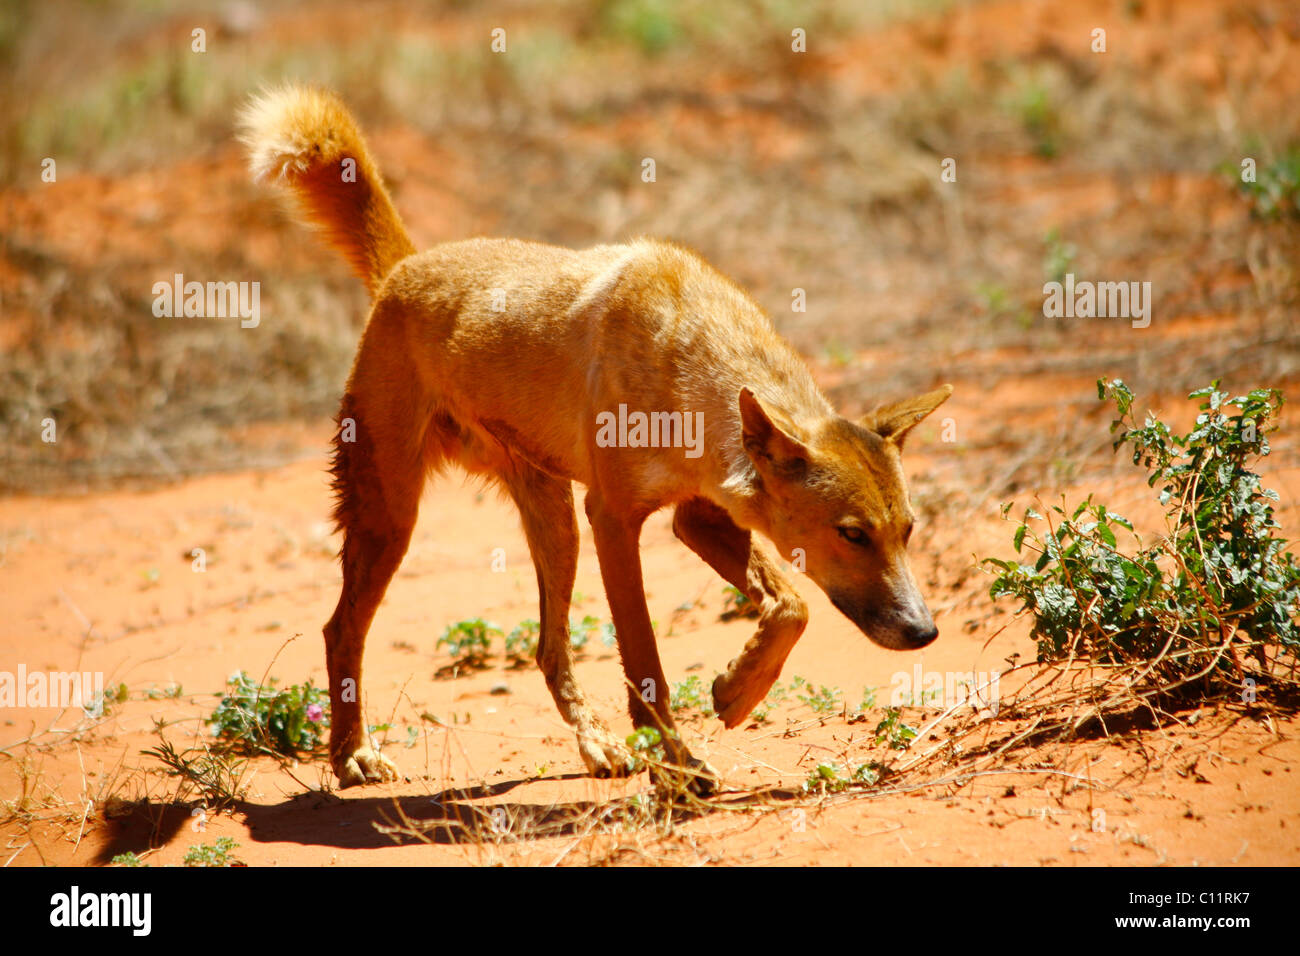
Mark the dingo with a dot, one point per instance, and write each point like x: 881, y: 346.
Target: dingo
x: 507, y: 356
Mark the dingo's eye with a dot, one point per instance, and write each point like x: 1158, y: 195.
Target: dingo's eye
x: 853, y: 535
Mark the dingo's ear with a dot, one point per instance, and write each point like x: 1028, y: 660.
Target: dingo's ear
x: 768, y: 447
x: 893, y: 422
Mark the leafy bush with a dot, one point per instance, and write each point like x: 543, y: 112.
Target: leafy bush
x: 1217, y: 580
x: 252, y: 718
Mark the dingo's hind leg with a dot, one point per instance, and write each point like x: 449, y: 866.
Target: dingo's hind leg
x: 546, y: 507
x: 379, y: 469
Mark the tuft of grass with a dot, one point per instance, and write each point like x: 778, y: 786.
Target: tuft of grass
x: 735, y: 603
x: 1058, y: 256
x: 216, y: 777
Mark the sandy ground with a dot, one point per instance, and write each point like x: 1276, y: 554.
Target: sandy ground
x: 106, y: 583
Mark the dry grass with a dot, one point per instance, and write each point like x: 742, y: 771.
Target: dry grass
x: 781, y: 173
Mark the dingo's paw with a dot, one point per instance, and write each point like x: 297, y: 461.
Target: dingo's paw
x: 604, y: 755
x: 736, y: 694
x: 365, y: 766
x: 694, y: 775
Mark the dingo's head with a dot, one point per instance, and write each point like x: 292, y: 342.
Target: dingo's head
x: 836, y: 492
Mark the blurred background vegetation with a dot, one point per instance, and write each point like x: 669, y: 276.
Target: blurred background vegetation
x: 817, y: 170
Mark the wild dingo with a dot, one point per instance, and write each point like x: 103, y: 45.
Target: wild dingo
x: 519, y: 361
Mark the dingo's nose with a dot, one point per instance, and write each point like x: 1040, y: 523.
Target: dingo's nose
x: 919, y: 637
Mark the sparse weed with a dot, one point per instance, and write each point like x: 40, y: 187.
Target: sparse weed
x: 1275, y: 193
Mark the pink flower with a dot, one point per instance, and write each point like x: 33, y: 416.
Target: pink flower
x: 315, y: 713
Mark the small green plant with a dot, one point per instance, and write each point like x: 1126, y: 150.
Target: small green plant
x: 828, y: 777
x: 580, y: 633
x: 102, y: 704
x: 823, y: 700
x: 219, y: 854
x: 469, y: 641
x: 1218, y: 577
x: 521, y: 642
x: 1058, y: 256
x: 998, y: 304
x: 653, y: 25
x: 736, y: 604
x: 127, y: 859
x: 838, y: 354
x: 647, y: 746
x: 868, y: 702
x: 776, y: 694
x: 608, y: 635
x: 1275, y: 193
x: 892, y: 732
x: 691, y: 694
x: 256, y: 719
x: 1039, y: 113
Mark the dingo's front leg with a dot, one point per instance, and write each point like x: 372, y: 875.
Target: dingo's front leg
x: 708, y: 531
x: 617, y: 545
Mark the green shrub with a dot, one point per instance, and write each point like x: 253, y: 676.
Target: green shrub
x: 1218, y: 577
x: 252, y: 718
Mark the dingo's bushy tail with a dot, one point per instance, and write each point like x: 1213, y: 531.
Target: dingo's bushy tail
x: 304, y: 138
